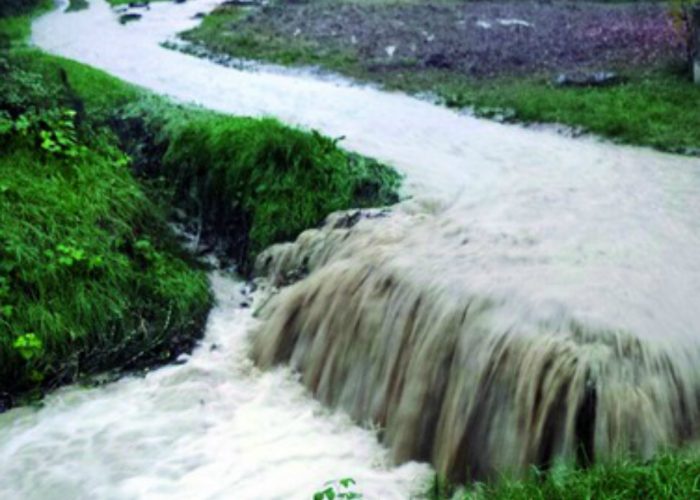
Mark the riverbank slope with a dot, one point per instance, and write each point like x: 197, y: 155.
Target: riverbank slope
x: 97, y: 173
x: 511, y: 61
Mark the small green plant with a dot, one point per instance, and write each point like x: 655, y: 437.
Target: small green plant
x: 7, y: 125
x: 53, y: 130
x: 145, y: 249
x: 340, y: 488
x: 58, y: 134
x: 69, y: 256
x: 29, y: 346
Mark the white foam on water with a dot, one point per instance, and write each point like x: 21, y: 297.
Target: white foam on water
x: 211, y: 428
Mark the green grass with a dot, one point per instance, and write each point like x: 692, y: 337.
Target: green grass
x: 666, y: 476
x: 89, y: 271
x: 87, y: 266
x: 254, y: 182
x: 15, y: 20
x: 254, y: 43
x: 91, y: 276
x: 18, y: 8
x: 100, y: 93
x: 656, y: 107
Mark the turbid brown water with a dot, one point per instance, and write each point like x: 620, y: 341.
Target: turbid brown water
x: 483, y: 350
x: 536, y: 298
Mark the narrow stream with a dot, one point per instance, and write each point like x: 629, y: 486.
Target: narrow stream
x: 553, y: 229
x: 213, y: 427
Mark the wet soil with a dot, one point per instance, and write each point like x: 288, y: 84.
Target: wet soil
x: 480, y: 39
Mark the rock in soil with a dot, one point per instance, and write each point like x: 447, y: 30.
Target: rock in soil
x: 597, y: 79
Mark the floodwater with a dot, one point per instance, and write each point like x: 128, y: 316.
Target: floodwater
x: 563, y: 274
x: 213, y: 427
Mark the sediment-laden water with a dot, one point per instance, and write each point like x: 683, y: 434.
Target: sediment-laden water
x: 213, y: 427
x: 536, y: 298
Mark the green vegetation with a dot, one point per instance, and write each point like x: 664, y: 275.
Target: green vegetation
x: 92, y: 278
x: 76, y: 5
x: 214, y: 32
x: 15, y: 18
x: 252, y: 182
x: 668, y: 477
x: 655, y: 106
x: 342, y: 489
x: 20, y: 7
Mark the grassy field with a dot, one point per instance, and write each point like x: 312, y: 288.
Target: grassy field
x: 92, y: 277
x: 656, y: 106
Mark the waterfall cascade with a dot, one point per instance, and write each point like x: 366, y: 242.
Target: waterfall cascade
x: 398, y: 324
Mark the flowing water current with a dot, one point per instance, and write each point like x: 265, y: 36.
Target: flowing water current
x: 535, y: 299
x: 213, y: 427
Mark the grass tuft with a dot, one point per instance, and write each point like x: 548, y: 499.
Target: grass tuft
x: 656, y: 108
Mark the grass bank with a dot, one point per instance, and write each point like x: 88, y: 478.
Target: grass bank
x: 242, y: 184
x: 92, y: 276
x: 667, y: 476
x: 15, y: 20
x: 655, y: 106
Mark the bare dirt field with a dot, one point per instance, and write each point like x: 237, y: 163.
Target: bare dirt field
x: 480, y: 39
